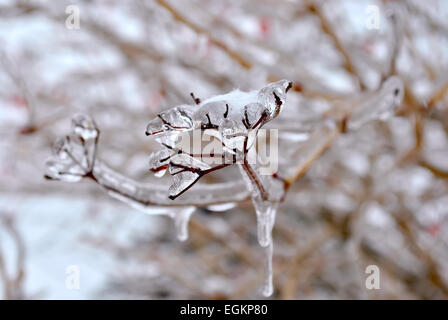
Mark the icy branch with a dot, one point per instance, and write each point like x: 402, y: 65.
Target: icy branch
x: 75, y: 156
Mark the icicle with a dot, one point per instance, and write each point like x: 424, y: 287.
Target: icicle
x: 268, y: 287
x: 265, y: 211
x: 181, y: 219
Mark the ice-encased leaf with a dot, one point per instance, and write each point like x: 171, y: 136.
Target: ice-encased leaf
x: 179, y: 162
x: 158, y: 161
x: 181, y: 182
x: 177, y: 118
x: 211, y: 114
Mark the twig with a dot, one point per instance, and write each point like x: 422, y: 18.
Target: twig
x: 329, y: 31
x: 234, y: 55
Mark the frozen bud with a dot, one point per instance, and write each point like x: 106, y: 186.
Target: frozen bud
x: 273, y: 97
x: 380, y: 106
x: 83, y: 126
x: 64, y: 165
x: 74, y: 155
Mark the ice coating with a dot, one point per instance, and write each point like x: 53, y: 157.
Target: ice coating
x: 273, y: 96
x: 180, y: 215
x: 182, y: 182
x: 69, y: 161
x: 233, y: 118
x: 177, y: 118
x: 180, y: 161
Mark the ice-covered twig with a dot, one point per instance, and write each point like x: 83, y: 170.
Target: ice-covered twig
x: 349, y: 66
x: 152, y: 195
x: 75, y: 156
